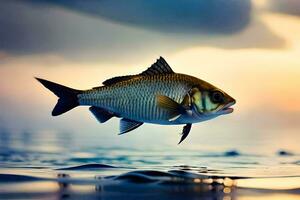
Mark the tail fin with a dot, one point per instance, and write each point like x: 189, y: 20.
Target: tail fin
x: 67, y: 96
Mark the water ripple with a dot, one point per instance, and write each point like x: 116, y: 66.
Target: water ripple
x: 89, y: 167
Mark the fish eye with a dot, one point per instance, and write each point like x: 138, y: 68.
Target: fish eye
x: 217, y: 97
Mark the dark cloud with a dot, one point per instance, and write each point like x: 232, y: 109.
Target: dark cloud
x: 213, y: 16
x: 291, y: 7
x: 33, y: 30
x: 83, y: 29
x: 21, y: 30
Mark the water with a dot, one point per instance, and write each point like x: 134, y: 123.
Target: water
x: 50, y: 165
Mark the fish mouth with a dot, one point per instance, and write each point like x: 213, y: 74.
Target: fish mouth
x: 227, y: 108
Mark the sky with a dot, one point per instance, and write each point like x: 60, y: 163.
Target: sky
x: 250, y: 49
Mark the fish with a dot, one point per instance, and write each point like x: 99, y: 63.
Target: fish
x: 158, y: 95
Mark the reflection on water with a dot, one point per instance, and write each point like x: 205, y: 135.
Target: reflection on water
x: 60, y: 190
x: 136, y: 184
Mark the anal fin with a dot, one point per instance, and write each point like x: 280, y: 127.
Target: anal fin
x: 101, y: 114
x: 127, y: 125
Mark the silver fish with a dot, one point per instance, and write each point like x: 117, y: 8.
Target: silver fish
x: 158, y: 95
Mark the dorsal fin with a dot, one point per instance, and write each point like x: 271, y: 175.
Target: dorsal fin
x: 117, y: 79
x: 159, y: 67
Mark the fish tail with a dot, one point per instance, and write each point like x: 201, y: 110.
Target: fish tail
x: 67, y: 97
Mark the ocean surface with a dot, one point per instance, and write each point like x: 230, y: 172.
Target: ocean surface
x: 49, y: 165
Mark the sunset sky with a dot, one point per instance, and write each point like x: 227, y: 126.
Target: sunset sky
x: 250, y: 49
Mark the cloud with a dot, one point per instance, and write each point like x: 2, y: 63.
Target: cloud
x: 214, y: 16
x: 102, y: 30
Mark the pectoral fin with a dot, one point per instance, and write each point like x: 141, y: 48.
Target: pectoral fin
x: 185, y: 132
x: 127, y: 125
x: 168, y: 103
x: 101, y: 115
x: 172, y: 106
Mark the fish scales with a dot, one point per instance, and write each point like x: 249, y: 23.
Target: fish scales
x: 136, y: 98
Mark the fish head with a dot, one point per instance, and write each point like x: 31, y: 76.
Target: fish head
x: 208, y: 100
